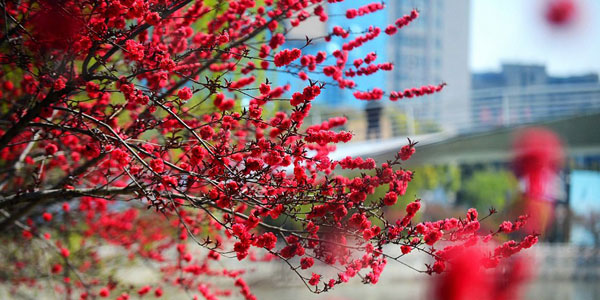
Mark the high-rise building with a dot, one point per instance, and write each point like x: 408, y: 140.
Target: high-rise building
x: 433, y: 49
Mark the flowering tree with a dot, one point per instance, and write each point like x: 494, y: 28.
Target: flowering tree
x: 122, y: 125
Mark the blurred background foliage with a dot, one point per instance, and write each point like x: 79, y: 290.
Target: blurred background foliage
x: 489, y: 188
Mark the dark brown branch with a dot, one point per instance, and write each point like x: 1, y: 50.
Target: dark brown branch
x: 237, y: 43
x: 32, y: 113
x: 47, y: 195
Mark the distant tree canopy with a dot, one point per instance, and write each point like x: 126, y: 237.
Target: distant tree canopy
x: 485, y: 189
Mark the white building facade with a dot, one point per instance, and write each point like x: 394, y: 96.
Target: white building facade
x: 432, y: 49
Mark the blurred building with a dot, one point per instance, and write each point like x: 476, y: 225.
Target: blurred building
x: 521, y: 94
x: 432, y: 49
x: 521, y: 75
x: 333, y: 101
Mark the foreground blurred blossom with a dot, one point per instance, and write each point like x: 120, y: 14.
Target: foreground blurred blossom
x: 467, y: 279
x: 55, y: 26
x: 561, y: 12
x: 474, y: 270
x: 538, y: 156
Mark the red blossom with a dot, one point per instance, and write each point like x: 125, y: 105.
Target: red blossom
x: 405, y: 249
x: 314, y: 279
x: 185, y: 94
x: 432, y: 237
x: 306, y: 262
x: 157, y: 165
x: 144, y: 290
x: 286, y: 57
x: 104, y: 292
x: 65, y: 252
x: 390, y: 198
x: 407, y: 19
x: 51, y: 149
x: 158, y: 292
x: 47, y: 216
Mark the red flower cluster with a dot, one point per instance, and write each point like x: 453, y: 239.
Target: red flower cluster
x: 406, y: 19
x: 375, y: 94
x: 312, y: 60
x: 363, y: 10
x: 223, y: 104
x: 357, y: 163
x: 185, y: 94
x: 372, y: 33
x: 416, y: 92
x: 242, y: 82
x: 308, y: 94
x: 370, y: 69
x: 407, y: 151
x: 286, y: 57
x: 390, y: 30
x: 339, y: 31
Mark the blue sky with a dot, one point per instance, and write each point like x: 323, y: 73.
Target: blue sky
x: 585, y: 191
x: 515, y: 31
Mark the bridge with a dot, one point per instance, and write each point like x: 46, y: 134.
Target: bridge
x: 484, y: 132
x: 580, y: 135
